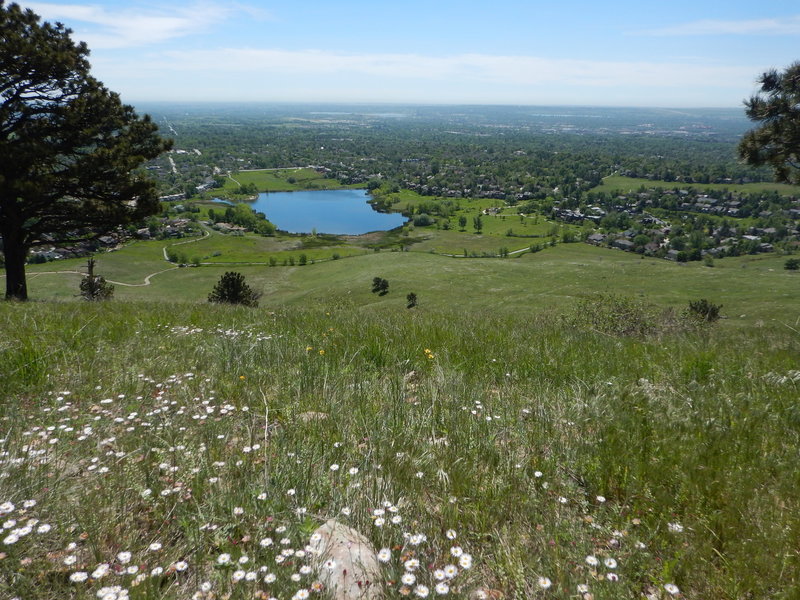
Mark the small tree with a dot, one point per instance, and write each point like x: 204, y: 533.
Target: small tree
x: 792, y: 264
x: 477, y: 223
x: 380, y: 286
x: 462, y: 222
x: 94, y: 287
x: 411, y: 300
x: 232, y: 289
x: 705, y: 310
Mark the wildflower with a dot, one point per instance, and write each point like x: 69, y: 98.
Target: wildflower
x: 265, y: 542
x: 334, y: 467
x: 244, y: 559
x: 353, y: 470
x: 181, y: 565
x: 583, y: 588
x: 328, y: 564
x: 397, y: 519
x: 237, y: 576
x: 262, y: 496
x: 592, y: 561
x: 465, y: 561
x: 451, y: 534
x: 456, y: 551
x: 238, y: 510
x: 672, y: 589
x: 442, y: 588
x: 345, y: 511
x: 154, y: 547
x: 408, y: 578
x: 270, y: 577
x: 205, y: 587
x: 379, y: 522
x: 675, y: 527
x: 450, y: 571
x: 156, y: 571
x: 78, y: 577
x: 290, y: 492
x: 101, y: 571
x: 44, y: 528
x: 301, y: 594
x: 224, y: 559
x: 411, y: 564
x: 612, y: 577
x: 70, y: 560
x: 421, y: 590
x: 124, y: 557
x: 544, y: 582
x: 610, y: 563
x: 385, y: 555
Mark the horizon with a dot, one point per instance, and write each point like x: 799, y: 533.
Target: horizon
x: 577, y: 53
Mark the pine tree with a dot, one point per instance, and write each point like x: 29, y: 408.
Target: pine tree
x: 776, y: 142
x: 232, y: 289
x: 69, y: 148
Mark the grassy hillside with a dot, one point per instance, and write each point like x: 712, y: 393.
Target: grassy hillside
x: 751, y: 288
x: 185, y: 434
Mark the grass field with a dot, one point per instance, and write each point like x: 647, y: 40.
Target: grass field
x: 751, y: 288
x: 281, y: 180
x: 496, y: 434
x: 632, y: 184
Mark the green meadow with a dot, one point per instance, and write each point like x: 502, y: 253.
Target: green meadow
x: 551, y: 424
x: 632, y: 184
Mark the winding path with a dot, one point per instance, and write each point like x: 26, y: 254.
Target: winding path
x: 147, y: 278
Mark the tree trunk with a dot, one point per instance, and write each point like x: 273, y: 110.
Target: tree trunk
x: 15, y: 255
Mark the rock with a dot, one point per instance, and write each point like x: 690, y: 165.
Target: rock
x: 486, y: 594
x: 346, y: 563
x: 308, y: 417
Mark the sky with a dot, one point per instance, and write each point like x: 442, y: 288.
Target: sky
x: 670, y: 53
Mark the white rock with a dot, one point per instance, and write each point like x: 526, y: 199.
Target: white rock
x: 346, y: 563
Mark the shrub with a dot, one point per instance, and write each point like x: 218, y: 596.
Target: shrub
x: 705, y: 310
x: 622, y: 316
x: 380, y: 286
x: 792, y: 264
x: 232, y: 289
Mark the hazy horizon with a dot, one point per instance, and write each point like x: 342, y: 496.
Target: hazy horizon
x: 511, y: 53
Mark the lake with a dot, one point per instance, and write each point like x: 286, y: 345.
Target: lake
x: 341, y: 212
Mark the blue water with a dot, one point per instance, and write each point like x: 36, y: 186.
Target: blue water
x: 341, y: 212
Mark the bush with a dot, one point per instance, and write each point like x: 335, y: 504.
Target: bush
x: 622, y: 316
x: 232, y: 289
x: 380, y: 286
x: 705, y: 310
x: 792, y: 264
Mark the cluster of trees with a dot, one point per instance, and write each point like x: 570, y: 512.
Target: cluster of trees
x: 243, y: 216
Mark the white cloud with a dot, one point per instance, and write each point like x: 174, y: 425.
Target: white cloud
x: 248, y: 74
x: 479, y: 68
x: 778, y: 26
x: 102, y: 28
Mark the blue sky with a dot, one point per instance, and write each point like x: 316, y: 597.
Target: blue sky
x: 672, y: 53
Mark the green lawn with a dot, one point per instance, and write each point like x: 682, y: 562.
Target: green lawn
x: 632, y: 184
x: 278, y: 180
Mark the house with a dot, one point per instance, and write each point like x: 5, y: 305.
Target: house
x: 622, y: 244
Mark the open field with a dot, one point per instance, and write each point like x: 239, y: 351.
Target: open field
x: 751, y: 288
x: 281, y: 180
x: 632, y: 184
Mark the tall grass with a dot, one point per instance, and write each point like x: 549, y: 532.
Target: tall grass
x: 539, y: 440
